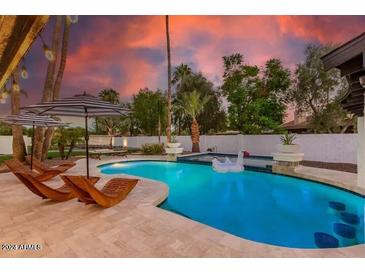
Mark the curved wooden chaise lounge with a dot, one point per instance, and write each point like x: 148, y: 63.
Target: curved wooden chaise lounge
x: 114, y: 191
x: 17, y: 166
x: 43, y: 167
x: 31, y: 181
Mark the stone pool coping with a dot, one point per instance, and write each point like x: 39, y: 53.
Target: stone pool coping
x: 133, y: 228
x: 344, y: 180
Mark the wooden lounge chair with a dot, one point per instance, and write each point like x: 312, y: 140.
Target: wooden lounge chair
x: 26, y: 176
x: 43, y: 167
x: 60, y: 194
x: 17, y: 166
x: 114, y: 191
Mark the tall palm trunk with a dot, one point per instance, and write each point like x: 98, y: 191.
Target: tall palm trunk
x: 111, y: 134
x: 64, y: 50
x: 159, y: 130
x: 61, y: 149
x: 48, y: 86
x: 195, y: 136
x: 57, y: 84
x: 179, y: 126
x: 18, y: 141
x: 169, y: 107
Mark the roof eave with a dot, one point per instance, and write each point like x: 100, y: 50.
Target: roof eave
x: 345, y: 52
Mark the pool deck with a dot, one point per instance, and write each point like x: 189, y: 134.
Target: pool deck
x: 133, y: 228
x: 345, y: 180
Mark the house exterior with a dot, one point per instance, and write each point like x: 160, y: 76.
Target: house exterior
x: 349, y: 58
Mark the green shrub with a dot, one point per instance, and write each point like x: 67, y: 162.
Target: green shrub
x: 151, y: 149
x: 288, y: 138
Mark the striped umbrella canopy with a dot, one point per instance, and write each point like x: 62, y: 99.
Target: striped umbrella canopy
x: 81, y: 105
x: 31, y: 119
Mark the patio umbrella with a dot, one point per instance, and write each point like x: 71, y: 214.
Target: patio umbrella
x: 31, y: 119
x: 81, y: 105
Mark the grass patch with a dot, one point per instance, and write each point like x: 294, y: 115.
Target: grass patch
x: 4, y: 158
x: 53, y: 154
x: 56, y: 154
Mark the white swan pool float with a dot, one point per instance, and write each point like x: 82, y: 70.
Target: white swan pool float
x: 228, y: 165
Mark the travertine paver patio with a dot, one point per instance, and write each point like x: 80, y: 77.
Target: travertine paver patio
x: 134, y: 228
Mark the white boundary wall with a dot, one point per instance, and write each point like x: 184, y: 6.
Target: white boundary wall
x: 6, y: 144
x: 336, y: 148
x: 340, y: 148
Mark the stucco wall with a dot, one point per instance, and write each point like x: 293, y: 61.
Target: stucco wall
x: 339, y: 148
x: 6, y: 144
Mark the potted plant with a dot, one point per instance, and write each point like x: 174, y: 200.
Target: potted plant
x: 287, y: 144
x: 174, y: 143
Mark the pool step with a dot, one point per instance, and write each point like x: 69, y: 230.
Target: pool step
x: 324, y: 240
x: 337, y: 205
x: 267, y: 169
x: 350, y: 218
x: 344, y: 230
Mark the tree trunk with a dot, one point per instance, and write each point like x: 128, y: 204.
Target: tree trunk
x: 61, y: 149
x: 64, y: 49
x: 18, y: 141
x: 110, y: 133
x: 48, y: 86
x: 195, y: 136
x: 131, y: 126
x: 57, y: 84
x: 159, y: 130
x: 96, y: 125
x: 169, y: 107
x: 179, y: 126
x: 72, y: 145
x: 47, y: 142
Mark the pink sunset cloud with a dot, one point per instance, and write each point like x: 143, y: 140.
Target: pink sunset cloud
x: 129, y: 52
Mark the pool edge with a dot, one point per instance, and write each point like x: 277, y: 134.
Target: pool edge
x: 328, y: 183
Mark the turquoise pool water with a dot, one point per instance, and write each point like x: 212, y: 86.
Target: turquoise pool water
x: 262, y: 207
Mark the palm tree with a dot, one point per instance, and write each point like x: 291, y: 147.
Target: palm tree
x: 161, y: 112
x: 169, y: 92
x: 179, y: 118
x: 192, y: 105
x: 18, y: 141
x: 48, y: 85
x: 57, y: 83
x: 181, y: 72
x: 68, y: 137
x: 64, y: 49
x: 111, y: 96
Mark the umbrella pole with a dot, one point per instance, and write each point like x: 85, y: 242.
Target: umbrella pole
x: 87, y: 146
x: 32, y: 148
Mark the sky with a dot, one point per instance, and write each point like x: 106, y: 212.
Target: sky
x: 127, y: 53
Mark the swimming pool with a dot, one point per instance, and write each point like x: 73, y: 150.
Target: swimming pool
x: 257, y: 206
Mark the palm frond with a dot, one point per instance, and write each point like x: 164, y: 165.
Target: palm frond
x: 192, y: 104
